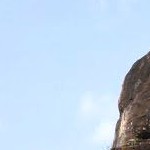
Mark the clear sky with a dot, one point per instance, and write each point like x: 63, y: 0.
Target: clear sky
x: 62, y: 65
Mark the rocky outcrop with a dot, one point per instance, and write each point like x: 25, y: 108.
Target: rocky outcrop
x: 133, y: 126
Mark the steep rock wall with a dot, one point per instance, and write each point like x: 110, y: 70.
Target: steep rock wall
x: 133, y: 126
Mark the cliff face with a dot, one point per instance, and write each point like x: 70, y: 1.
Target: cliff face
x: 133, y: 126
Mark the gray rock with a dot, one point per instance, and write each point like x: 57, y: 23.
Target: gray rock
x: 133, y: 126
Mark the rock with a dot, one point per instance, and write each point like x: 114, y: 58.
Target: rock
x: 133, y: 126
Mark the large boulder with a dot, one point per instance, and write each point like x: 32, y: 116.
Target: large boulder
x: 133, y: 126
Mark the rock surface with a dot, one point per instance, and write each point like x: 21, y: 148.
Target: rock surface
x: 133, y: 126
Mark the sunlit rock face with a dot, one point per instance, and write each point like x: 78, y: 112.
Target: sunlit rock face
x: 133, y: 126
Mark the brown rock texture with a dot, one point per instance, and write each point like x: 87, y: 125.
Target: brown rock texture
x: 133, y: 127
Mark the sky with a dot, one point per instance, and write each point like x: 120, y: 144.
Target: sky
x: 62, y: 67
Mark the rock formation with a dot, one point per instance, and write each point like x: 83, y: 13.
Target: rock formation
x: 133, y: 127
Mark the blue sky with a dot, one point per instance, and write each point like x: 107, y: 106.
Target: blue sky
x: 62, y: 66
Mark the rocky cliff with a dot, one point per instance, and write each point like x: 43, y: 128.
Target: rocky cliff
x: 133, y: 126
